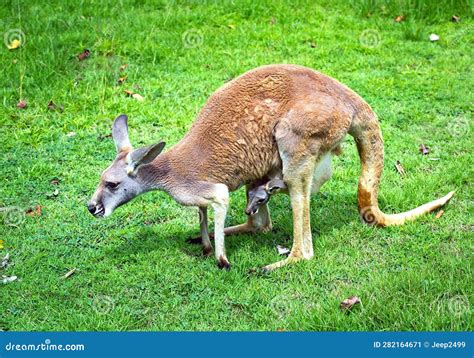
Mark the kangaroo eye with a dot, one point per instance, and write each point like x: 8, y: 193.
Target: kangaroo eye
x: 260, y: 201
x: 111, y: 185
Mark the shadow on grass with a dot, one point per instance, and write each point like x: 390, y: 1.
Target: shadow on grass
x: 328, y: 214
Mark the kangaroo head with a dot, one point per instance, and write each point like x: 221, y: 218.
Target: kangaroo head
x: 124, y: 179
x: 257, y: 197
x: 261, y: 194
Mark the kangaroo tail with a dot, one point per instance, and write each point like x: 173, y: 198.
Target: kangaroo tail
x: 366, y: 131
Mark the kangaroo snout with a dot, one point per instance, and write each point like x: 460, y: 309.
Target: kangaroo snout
x: 95, y: 209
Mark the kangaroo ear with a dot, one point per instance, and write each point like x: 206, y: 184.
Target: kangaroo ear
x: 120, y: 133
x: 274, y: 185
x: 143, y: 156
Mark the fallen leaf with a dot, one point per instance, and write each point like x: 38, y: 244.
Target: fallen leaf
x: 71, y: 134
x: 54, y: 181
x: 434, y: 37
x: 1, y: 244
x: 104, y: 136
x: 138, y: 97
x: 8, y: 279
x: 16, y: 43
x: 36, y: 211
x: 15, y: 61
x: 282, y: 250
x: 5, y: 261
x: 399, y: 18
x: 455, y: 18
x: 53, y: 194
x: 424, y: 150
x: 123, y: 67
x: 400, y: 168
x: 280, y: 330
x: 85, y: 54
x: 313, y: 44
x: 53, y: 107
x: 349, y: 303
x: 439, y: 214
x: 230, y: 26
x: 273, y: 20
x: 69, y: 273
x: 21, y: 105
x: 132, y: 94
x: 122, y: 79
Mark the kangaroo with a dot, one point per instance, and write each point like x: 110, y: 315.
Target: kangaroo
x: 278, y: 117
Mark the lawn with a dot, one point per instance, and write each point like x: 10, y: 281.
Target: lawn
x: 134, y: 270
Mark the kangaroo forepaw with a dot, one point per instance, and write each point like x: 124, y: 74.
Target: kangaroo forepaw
x: 223, y: 263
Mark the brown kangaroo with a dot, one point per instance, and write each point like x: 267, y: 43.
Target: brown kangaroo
x: 277, y: 118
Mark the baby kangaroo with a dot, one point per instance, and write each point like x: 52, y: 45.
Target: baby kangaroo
x: 260, y: 195
x: 282, y: 118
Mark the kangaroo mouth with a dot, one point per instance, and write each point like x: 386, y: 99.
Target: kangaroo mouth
x: 98, y: 211
x: 252, y: 212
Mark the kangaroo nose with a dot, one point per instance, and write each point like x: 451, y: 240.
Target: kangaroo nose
x: 91, y: 207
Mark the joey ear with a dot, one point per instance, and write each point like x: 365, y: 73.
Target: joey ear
x: 143, y: 156
x: 274, y: 185
x: 120, y: 133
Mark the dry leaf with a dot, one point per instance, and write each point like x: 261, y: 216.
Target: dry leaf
x: 455, y: 18
x: 399, y: 18
x: 123, y: 67
x: 230, y: 26
x: 5, y: 261
x: 439, y: 214
x: 349, y: 303
x: 71, y: 134
x: 36, y: 211
x: 128, y: 92
x: 53, y: 107
x: 16, y: 43
x: 122, y: 79
x: 400, y: 169
x: 434, y: 37
x: 54, y: 181
x: 85, y: 54
x: 313, y: 44
x: 138, y: 97
x: 104, y: 136
x: 423, y: 149
x: 22, y: 104
x: 8, y: 279
x: 53, y: 194
x: 69, y: 273
x: 282, y: 250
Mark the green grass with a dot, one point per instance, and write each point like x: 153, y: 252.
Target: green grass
x: 134, y: 270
